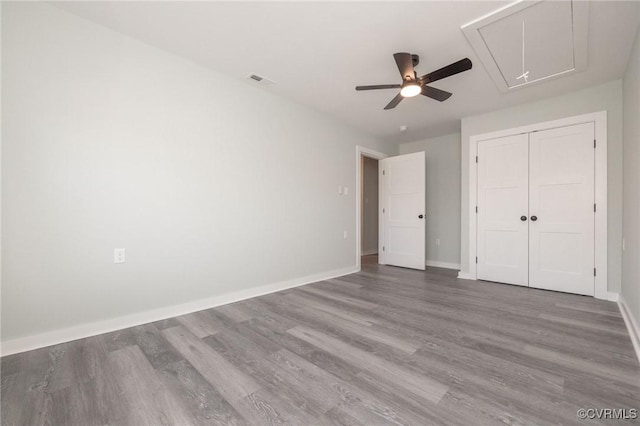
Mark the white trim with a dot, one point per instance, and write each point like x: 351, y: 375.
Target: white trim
x: 362, y: 151
x: 369, y: 252
x: 600, y: 122
x: 465, y: 276
x: 601, y: 283
x: 438, y: 264
x: 632, y: 325
x: 613, y: 296
x: 382, y: 229
x: 55, y: 337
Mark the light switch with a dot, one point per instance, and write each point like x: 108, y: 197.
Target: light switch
x: 118, y: 255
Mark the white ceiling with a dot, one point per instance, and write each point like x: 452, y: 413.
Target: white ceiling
x: 317, y: 52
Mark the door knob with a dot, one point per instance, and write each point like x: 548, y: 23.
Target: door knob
x: 420, y: 216
x: 523, y: 218
x: 534, y: 218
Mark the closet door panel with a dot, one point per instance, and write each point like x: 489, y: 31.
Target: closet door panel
x: 502, y: 202
x: 561, y: 209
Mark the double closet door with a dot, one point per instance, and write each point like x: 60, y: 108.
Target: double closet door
x: 536, y: 211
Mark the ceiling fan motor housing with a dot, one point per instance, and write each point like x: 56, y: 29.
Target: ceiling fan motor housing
x: 415, y: 59
x: 412, y: 85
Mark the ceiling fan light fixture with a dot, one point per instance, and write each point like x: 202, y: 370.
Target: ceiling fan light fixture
x: 410, y: 90
x: 412, y: 85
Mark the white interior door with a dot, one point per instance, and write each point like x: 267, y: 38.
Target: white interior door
x: 561, y: 209
x: 402, y: 210
x: 503, y: 192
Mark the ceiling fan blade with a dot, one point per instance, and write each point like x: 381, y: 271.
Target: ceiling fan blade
x: 394, y: 102
x: 452, y: 69
x: 433, y: 93
x: 379, y: 86
x: 405, y: 65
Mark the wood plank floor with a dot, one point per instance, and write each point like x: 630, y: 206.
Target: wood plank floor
x: 383, y: 346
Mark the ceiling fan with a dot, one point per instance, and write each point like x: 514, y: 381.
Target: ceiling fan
x: 412, y: 85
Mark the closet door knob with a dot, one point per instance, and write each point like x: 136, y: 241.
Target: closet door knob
x: 534, y: 218
x: 420, y: 216
x: 523, y: 218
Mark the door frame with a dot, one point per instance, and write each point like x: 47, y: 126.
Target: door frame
x: 600, y: 244
x: 362, y: 151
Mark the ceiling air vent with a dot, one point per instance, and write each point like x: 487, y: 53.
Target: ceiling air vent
x: 260, y: 80
x: 528, y: 42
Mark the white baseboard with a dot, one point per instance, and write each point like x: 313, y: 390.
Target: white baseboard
x: 369, y: 252
x: 465, y: 276
x: 632, y: 325
x: 23, y: 344
x: 613, y: 297
x: 438, y: 264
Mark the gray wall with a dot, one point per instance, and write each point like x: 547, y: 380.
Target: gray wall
x: 442, y: 156
x: 631, y: 202
x: 369, y: 205
x: 210, y: 184
x: 606, y: 97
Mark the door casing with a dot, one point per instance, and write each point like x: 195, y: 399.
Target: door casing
x: 362, y: 151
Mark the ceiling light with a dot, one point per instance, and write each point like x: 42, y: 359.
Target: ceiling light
x: 410, y: 89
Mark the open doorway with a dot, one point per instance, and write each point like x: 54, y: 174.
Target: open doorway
x: 400, y: 207
x: 367, y: 205
x: 369, y: 210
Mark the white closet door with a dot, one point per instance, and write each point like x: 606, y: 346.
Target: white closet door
x: 503, y: 194
x: 561, y: 209
x: 402, y: 190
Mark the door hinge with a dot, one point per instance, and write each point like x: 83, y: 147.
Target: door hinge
x: 476, y: 259
x: 476, y: 158
x: 594, y: 272
x: 383, y: 210
x: 594, y: 143
x: 594, y: 207
x: 382, y: 248
x: 383, y: 172
x: 476, y: 209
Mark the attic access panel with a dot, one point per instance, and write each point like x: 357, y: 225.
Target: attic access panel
x: 528, y: 42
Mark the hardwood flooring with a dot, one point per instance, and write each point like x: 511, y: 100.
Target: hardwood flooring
x: 383, y: 346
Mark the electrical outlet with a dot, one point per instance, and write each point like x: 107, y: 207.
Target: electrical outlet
x: 118, y: 255
x: 339, y: 189
x: 437, y: 241
x: 344, y: 235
